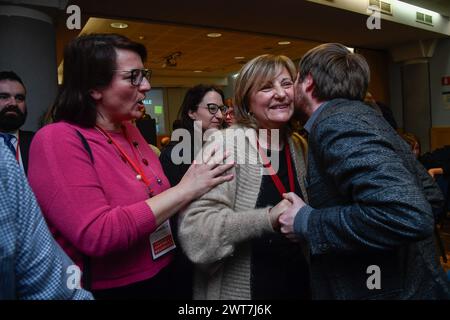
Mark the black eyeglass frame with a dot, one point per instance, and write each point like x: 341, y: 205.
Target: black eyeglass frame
x: 213, y: 108
x: 136, y: 73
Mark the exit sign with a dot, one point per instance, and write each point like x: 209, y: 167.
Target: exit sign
x: 446, y: 81
x: 158, y: 110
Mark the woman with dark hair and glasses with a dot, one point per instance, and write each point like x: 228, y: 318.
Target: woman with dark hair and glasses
x: 100, y: 186
x: 202, y: 105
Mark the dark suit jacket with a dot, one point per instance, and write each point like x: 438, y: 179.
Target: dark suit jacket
x: 369, y: 196
x: 25, y: 142
x: 173, y: 172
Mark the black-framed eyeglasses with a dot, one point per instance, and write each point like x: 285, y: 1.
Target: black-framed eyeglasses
x: 137, y: 75
x: 213, y: 108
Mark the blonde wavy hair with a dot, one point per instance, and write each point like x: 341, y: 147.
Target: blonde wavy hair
x: 253, y: 75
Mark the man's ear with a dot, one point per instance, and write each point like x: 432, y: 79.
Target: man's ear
x: 309, y: 83
x: 95, y: 94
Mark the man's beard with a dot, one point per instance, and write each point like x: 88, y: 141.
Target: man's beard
x: 12, y: 122
x: 300, y: 116
x: 300, y: 105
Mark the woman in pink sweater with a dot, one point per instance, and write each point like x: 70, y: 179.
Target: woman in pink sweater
x: 101, y: 188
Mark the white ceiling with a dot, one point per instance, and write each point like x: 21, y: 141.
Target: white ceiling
x: 439, y: 6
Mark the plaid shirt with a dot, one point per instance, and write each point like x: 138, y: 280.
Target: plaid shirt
x: 32, y: 265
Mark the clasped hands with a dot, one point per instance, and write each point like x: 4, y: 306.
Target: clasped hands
x: 282, y: 216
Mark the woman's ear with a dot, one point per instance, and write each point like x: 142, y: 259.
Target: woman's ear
x: 191, y: 114
x: 95, y: 94
x: 249, y: 112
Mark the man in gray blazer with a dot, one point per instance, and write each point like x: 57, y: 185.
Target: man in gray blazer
x: 369, y: 222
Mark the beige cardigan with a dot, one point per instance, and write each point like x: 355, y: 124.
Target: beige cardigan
x: 215, y: 230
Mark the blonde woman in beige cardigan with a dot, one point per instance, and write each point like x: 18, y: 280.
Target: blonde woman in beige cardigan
x: 231, y: 233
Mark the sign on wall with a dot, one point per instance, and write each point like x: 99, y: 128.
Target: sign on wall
x: 446, y: 81
x: 446, y: 92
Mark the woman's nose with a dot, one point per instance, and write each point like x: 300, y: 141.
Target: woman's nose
x: 219, y: 114
x: 145, y: 85
x: 279, y: 91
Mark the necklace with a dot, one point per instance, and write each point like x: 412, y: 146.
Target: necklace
x: 144, y: 161
x: 140, y: 174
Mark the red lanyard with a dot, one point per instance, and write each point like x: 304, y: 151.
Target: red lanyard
x: 276, y: 180
x: 136, y: 167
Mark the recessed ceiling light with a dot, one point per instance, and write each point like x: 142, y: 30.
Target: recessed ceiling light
x: 284, y: 43
x: 119, y: 25
x: 141, y: 37
x: 214, y: 35
x: 239, y: 58
x: 198, y: 71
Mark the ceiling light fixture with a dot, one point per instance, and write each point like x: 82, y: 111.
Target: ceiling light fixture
x: 171, y: 60
x: 352, y: 50
x: 239, y: 58
x: 119, y: 25
x: 198, y: 71
x: 214, y: 35
x: 284, y: 43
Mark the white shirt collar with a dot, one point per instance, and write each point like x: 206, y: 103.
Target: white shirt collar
x: 15, y: 134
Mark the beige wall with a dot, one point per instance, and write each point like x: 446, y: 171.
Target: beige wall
x: 174, y: 98
x: 440, y: 136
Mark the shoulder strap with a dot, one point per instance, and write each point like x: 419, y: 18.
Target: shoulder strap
x: 298, y: 156
x: 86, y: 145
x: 297, y: 138
x: 86, y: 278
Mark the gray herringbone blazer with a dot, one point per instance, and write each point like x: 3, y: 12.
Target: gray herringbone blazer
x: 371, y: 201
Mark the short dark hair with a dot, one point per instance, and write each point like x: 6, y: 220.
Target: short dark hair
x: 10, y: 75
x: 176, y: 124
x: 89, y: 63
x: 336, y: 71
x: 191, y: 101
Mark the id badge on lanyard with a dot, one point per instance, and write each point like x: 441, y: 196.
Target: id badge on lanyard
x: 161, y: 241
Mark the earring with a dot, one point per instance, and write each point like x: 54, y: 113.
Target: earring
x: 249, y: 113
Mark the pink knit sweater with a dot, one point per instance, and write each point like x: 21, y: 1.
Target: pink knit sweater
x: 98, y: 209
